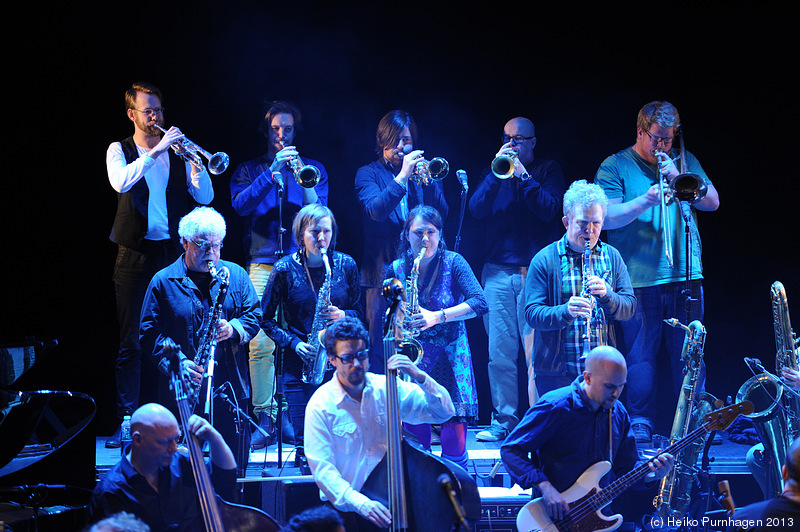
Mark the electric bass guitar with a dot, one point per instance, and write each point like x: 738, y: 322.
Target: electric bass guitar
x: 586, y: 499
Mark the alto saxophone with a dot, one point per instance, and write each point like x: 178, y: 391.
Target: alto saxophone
x: 594, y: 326
x: 204, y: 357
x: 674, y: 494
x: 314, y: 370
x: 408, y: 344
x: 776, y: 415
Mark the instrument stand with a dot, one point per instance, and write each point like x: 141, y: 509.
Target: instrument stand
x: 687, y: 291
x: 460, y: 218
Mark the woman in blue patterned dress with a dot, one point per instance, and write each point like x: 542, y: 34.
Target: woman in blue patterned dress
x: 448, y: 294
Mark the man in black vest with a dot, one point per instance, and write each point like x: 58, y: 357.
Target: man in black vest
x: 155, y: 188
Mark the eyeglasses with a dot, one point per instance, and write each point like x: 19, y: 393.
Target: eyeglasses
x: 348, y: 359
x: 207, y: 246
x: 151, y: 112
x: 517, y: 139
x: 659, y: 140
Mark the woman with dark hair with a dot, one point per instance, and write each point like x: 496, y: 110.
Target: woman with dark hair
x: 448, y: 293
x: 290, y: 301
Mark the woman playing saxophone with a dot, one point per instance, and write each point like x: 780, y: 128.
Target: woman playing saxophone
x: 292, y: 296
x: 447, y: 293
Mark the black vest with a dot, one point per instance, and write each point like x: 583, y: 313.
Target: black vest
x: 130, y: 222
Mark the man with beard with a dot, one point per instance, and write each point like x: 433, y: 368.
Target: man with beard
x: 257, y: 187
x: 154, y: 189
x: 345, y: 426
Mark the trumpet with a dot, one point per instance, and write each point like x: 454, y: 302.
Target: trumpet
x: 503, y: 166
x: 426, y: 172
x: 306, y: 175
x: 190, y: 152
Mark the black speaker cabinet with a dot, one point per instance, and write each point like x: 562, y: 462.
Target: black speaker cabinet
x: 283, y: 499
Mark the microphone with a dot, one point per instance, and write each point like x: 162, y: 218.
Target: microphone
x: 725, y: 498
x: 462, y: 178
x: 444, y: 482
x: 686, y: 211
x: 277, y: 179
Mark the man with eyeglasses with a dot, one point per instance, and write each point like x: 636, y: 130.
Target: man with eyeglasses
x: 178, y: 306
x: 154, y: 189
x: 521, y: 216
x: 154, y: 481
x: 346, y: 425
x: 265, y: 192
x: 632, y: 180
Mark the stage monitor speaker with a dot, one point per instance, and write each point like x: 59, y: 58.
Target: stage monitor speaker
x: 283, y: 499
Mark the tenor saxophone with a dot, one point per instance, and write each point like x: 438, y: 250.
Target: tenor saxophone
x: 775, y: 418
x: 314, y: 370
x: 674, y: 493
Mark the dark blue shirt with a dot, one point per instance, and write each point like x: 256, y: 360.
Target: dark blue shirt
x: 174, y: 507
x: 562, y: 435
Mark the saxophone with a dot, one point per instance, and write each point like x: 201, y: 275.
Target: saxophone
x: 594, y: 326
x: 314, y: 370
x: 204, y: 356
x: 775, y: 418
x: 408, y: 344
x: 674, y: 493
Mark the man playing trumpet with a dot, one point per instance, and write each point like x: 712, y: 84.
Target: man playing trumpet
x: 521, y: 216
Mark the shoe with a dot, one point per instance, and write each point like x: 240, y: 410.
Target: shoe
x: 259, y: 441
x: 642, y: 433
x: 493, y: 433
x: 287, y: 430
x: 114, y: 442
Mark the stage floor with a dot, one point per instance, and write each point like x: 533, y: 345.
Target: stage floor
x: 726, y: 458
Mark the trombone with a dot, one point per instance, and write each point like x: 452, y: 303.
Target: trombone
x: 190, y: 152
x: 686, y: 186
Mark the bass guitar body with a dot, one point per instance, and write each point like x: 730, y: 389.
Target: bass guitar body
x: 534, y: 516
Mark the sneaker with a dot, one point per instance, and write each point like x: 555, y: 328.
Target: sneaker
x: 642, y: 433
x: 493, y: 433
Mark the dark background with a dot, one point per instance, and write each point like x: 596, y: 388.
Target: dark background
x: 581, y: 74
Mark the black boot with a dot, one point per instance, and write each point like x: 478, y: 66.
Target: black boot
x: 259, y: 441
x: 287, y: 430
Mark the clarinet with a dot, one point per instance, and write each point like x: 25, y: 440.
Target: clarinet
x: 205, y: 352
x: 592, y: 326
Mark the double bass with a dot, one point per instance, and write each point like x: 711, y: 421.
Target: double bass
x: 422, y: 491
x: 218, y: 514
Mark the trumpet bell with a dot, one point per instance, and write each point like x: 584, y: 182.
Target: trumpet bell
x: 218, y: 163
x: 427, y: 171
x: 503, y: 167
x: 307, y: 176
x: 688, y: 187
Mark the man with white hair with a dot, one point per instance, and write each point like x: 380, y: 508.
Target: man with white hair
x: 179, y: 305
x: 563, y: 289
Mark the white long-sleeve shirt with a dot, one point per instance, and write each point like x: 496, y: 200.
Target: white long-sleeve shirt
x: 345, y: 439
x: 123, y: 176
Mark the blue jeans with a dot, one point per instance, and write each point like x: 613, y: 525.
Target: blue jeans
x: 643, y: 336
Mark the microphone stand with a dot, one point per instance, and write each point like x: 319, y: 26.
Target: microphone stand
x: 464, y: 188
x: 278, y: 395
x: 685, y: 210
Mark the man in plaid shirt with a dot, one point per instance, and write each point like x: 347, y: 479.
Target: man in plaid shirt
x: 557, y: 307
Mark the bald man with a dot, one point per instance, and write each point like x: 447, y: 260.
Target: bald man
x: 522, y: 215
x: 567, y: 431
x: 155, y: 482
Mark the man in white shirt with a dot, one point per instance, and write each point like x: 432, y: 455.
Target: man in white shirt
x: 345, y: 427
x: 155, y: 188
